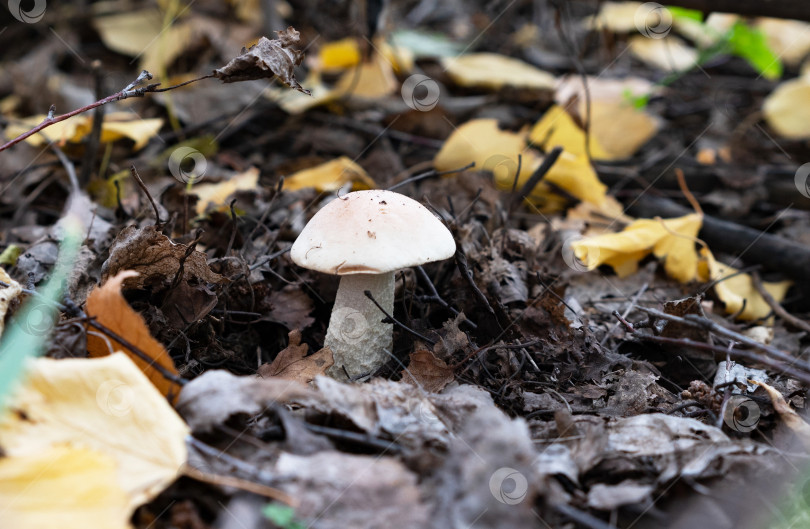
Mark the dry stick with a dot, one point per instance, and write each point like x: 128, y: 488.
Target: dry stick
x: 392, y: 319
x: 137, y: 178
x: 94, y: 140
x: 129, y: 91
x: 539, y: 174
x: 430, y: 173
x: 778, y: 309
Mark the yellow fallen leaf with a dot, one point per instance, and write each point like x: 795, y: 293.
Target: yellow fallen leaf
x: 109, y: 308
x: 295, y: 102
x: 735, y: 289
x: 787, y: 108
x: 7, y: 295
x: 618, y: 17
x: 792, y: 419
x: 372, y: 79
x: 492, y: 149
x: 129, y: 33
x: 490, y: 70
x: 106, y: 405
x: 217, y: 194
x: 557, y: 128
x: 339, y: 55
x: 669, y: 54
x: 672, y: 240
x: 116, y: 125
x: 330, y: 176
x: 64, y: 486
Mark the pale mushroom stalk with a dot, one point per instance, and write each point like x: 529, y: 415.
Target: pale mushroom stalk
x: 356, y: 323
x: 365, y: 237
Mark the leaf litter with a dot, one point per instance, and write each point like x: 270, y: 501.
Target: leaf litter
x: 531, y: 382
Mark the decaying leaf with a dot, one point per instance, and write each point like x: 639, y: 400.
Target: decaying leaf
x: 212, y: 398
x: 670, y: 239
x: 292, y: 363
x: 428, y: 371
x: 105, y: 405
x: 109, y: 308
x: 185, y: 304
x: 268, y: 58
x: 291, y: 307
x: 7, y: 295
x: 788, y: 414
x: 156, y: 259
x: 74, y: 485
x: 669, y: 54
x: 331, y: 176
x: 787, y: 109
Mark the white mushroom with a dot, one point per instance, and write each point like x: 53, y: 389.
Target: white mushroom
x: 365, y: 237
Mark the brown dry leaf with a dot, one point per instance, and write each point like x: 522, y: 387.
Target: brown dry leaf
x: 76, y: 486
x: 292, y: 362
x: 186, y: 304
x: 428, y: 371
x: 291, y: 307
x: 268, y: 58
x: 156, y: 259
x: 788, y: 414
x: 109, y: 308
x: 105, y: 405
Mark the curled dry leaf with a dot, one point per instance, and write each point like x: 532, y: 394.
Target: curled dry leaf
x: 268, y: 58
x: 156, y: 259
x: 292, y: 362
x: 428, y: 371
x: 109, y: 308
x: 788, y: 414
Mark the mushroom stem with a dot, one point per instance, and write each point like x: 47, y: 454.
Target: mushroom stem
x: 356, y: 335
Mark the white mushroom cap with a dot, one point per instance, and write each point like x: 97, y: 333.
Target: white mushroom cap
x: 371, y: 232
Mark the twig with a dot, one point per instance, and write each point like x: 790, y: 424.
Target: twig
x: 392, y: 319
x: 778, y: 309
x: 137, y: 178
x: 434, y: 296
x: 94, y: 140
x: 549, y: 160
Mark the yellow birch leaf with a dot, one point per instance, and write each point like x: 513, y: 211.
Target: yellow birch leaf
x: 63, y: 486
x: 216, y: 194
x: 788, y: 39
x: 331, y: 176
x: 735, y: 289
x: 787, y: 109
x: 490, y: 70
x: 669, y: 54
x: 103, y: 404
x: 129, y: 33
x: 672, y: 240
x: 339, y: 55
x: 492, y: 149
x: 295, y: 102
x: 116, y: 125
x: 58, y: 132
x: 369, y: 80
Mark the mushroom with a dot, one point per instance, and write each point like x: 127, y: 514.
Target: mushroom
x: 365, y: 237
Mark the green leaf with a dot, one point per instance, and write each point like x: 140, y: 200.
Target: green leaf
x: 28, y: 332
x: 683, y: 13
x: 752, y: 45
x: 282, y: 516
